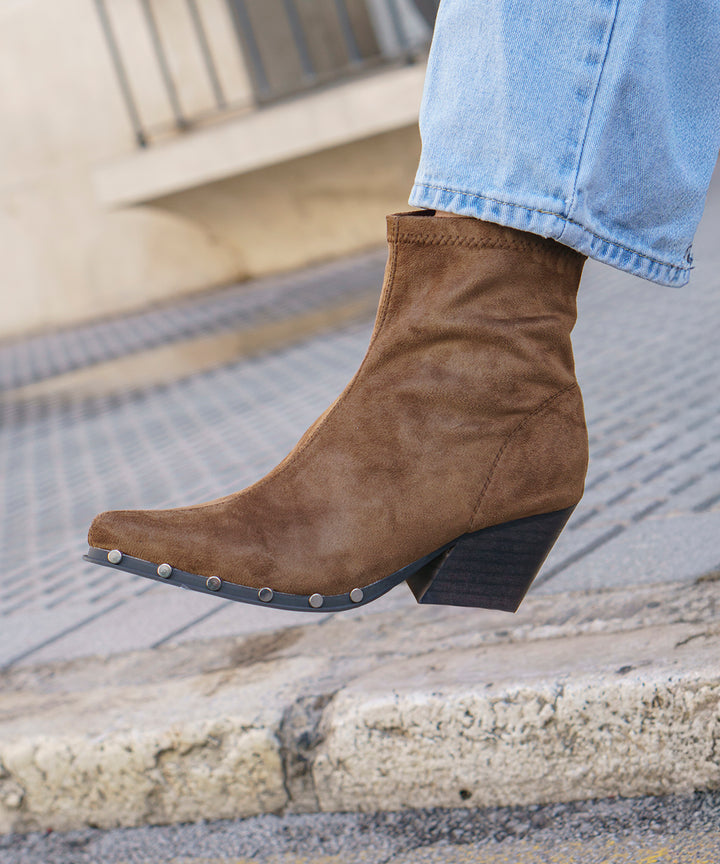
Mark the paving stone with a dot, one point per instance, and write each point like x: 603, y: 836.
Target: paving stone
x: 141, y: 621
x: 237, y: 306
x: 660, y: 549
x: 647, y: 359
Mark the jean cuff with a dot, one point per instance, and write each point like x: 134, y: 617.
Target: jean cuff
x: 548, y: 224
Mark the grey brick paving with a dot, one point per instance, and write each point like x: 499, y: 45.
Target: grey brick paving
x: 648, y: 359
x: 235, y: 307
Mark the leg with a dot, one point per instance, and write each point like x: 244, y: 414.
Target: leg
x: 595, y: 123
x: 456, y: 453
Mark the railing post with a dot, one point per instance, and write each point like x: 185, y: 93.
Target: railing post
x: 347, y: 31
x: 300, y: 41
x: 246, y: 38
x: 120, y: 73
x: 220, y: 100
x: 400, y: 33
x: 170, y: 88
x: 428, y: 9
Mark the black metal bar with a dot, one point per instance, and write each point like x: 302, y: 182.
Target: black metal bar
x: 300, y: 40
x: 120, y: 73
x: 400, y: 33
x: 170, y: 88
x: 347, y: 31
x: 428, y: 9
x: 246, y: 38
x: 201, y: 36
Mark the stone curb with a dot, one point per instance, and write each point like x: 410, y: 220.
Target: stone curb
x: 577, y: 696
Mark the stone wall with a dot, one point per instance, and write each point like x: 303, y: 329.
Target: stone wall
x: 69, y: 256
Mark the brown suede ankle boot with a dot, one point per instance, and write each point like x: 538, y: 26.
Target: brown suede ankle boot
x: 452, y: 460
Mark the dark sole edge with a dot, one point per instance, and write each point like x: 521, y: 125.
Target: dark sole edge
x: 242, y: 594
x: 420, y: 576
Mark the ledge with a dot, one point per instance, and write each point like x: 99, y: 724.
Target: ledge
x: 328, y: 118
x: 577, y: 696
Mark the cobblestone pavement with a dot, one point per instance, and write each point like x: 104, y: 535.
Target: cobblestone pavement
x: 670, y: 830
x: 648, y: 360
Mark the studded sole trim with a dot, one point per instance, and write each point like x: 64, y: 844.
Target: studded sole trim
x: 489, y: 569
x: 278, y: 600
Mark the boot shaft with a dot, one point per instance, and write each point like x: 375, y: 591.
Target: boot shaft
x: 464, y: 414
x: 483, y: 313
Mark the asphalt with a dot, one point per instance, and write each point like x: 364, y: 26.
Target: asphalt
x: 197, y: 398
x: 667, y: 830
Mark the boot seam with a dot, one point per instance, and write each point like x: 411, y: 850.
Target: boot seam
x: 459, y: 240
x: 520, y: 426
x: 556, y: 254
x: 294, y: 455
x: 556, y: 250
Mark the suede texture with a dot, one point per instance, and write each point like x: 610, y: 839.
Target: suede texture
x: 464, y: 413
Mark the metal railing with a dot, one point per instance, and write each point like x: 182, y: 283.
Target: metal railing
x: 285, y: 46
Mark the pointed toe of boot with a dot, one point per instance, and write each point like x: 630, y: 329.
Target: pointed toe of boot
x: 106, y: 530
x: 139, y: 533
x: 189, y: 539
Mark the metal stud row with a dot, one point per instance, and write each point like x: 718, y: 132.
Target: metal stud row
x: 266, y: 595
x: 214, y: 583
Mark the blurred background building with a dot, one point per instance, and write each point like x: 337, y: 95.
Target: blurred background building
x: 155, y: 147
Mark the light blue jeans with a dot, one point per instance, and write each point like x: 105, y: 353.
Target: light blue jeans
x: 595, y: 122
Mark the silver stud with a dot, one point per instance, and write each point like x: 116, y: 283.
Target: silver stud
x: 164, y: 571
x: 316, y: 600
x: 213, y: 583
x: 114, y: 556
x: 356, y: 595
x: 265, y: 594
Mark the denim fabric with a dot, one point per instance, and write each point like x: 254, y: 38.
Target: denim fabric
x: 595, y: 122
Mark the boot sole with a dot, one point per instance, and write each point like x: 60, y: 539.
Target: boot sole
x: 489, y: 569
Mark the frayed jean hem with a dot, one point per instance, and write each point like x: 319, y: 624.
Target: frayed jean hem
x: 548, y: 224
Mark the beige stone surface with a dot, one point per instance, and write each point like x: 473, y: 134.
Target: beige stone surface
x: 353, y: 111
x: 577, y: 696
x: 507, y: 724
x: 133, y: 779
x: 120, y: 753
x: 312, y: 208
x: 70, y: 255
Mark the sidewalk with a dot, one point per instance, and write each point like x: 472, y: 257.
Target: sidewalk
x: 189, y: 681
x: 612, y: 693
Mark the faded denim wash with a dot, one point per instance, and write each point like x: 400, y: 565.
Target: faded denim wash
x: 595, y: 122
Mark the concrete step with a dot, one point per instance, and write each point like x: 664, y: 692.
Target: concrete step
x: 579, y: 695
